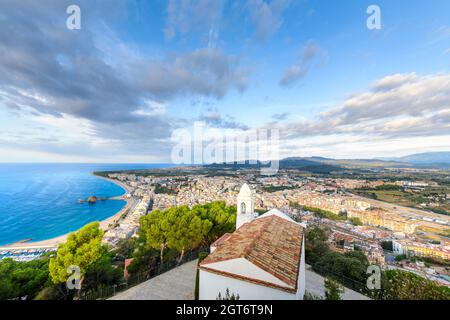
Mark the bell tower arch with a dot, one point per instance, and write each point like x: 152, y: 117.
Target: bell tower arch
x: 245, y: 206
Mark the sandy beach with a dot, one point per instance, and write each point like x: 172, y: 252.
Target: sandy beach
x: 105, y: 224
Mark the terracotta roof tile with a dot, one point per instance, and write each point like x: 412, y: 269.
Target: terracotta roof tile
x: 271, y: 243
x: 221, y: 240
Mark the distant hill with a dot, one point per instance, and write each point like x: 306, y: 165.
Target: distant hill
x: 419, y: 160
x: 312, y: 164
x: 303, y: 164
x: 315, y: 164
x: 440, y: 158
x: 360, y: 163
x: 328, y: 165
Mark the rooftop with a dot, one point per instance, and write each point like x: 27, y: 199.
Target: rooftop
x: 271, y: 243
x: 221, y: 240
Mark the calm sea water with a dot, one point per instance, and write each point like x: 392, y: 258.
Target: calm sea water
x: 40, y: 201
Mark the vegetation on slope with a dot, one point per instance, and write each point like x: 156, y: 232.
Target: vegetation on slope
x: 350, y: 269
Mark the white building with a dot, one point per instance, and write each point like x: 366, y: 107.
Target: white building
x: 264, y: 259
x: 245, y: 206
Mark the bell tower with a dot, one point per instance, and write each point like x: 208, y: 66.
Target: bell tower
x: 245, y: 206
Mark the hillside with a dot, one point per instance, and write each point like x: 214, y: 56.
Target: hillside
x: 328, y: 165
x: 424, y: 158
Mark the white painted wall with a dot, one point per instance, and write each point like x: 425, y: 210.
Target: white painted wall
x: 211, y: 284
x: 243, y: 267
x: 245, y: 196
x: 302, y: 274
x: 397, y: 248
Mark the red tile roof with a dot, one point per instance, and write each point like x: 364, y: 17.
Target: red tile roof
x: 272, y: 243
x: 221, y: 240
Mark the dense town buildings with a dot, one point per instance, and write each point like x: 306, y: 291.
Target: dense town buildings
x: 379, y: 218
x: 414, y: 248
x: 128, y: 226
x: 291, y: 194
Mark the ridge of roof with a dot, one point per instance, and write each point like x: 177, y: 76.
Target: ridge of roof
x: 271, y: 243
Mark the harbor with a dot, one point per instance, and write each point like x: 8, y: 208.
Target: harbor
x: 25, y: 253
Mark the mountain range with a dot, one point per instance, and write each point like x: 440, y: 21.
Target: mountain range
x: 424, y: 158
x: 439, y: 160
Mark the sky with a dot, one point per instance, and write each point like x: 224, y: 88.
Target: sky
x: 137, y: 72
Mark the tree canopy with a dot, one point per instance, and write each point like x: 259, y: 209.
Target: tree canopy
x: 403, y: 285
x: 23, y: 279
x: 187, y: 230
x: 83, y: 249
x: 182, y: 228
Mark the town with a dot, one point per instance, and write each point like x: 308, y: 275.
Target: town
x: 392, y: 236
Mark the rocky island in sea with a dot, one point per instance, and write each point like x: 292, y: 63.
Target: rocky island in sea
x: 39, y: 201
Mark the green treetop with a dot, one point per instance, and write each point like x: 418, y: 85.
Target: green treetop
x: 154, y: 231
x: 83, y: 249
x: 333, y: 290
x: 187, y: 229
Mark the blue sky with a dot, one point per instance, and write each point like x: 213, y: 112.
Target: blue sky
x: 115, y: 90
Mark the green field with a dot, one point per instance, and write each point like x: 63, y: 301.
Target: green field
x: 408, y: 198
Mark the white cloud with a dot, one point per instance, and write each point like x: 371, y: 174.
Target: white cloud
x: 292, y: 75
x: 186, y: 17
x: 394, y: 80
x: 151, y: 108
x: 399, y: 113
x: 407, y: 95
x: 298, y: 71
x: 267, y: 17
x: 345, y: 146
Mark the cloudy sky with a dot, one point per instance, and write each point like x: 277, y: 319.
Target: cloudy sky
x: 137, y: 71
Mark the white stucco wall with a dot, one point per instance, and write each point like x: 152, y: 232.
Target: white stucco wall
x: 302, y: 275
x: 243, y: 267
x: 211, y: 284
x: 397, y: 247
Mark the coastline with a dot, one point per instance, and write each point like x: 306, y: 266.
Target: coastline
x: 105, y: 225
x: 119, y: 183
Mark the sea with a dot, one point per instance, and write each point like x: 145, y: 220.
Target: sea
x: 40, y: 201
